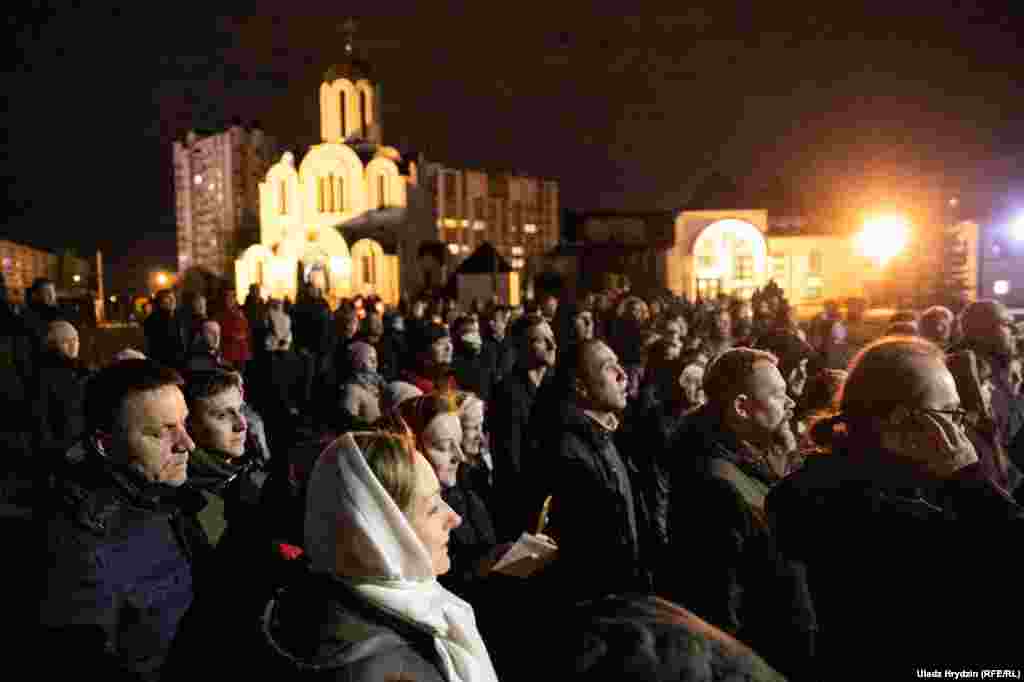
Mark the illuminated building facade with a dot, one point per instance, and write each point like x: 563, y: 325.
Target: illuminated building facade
x: 518, y: 215
x: 216, y: 188
x: 22, y: 264
x: 350, y: 215
x: 704, y: 253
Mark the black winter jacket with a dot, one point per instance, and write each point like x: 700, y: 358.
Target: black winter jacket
x: 902, y: 570
x: 595, y: 516
x: 730, y: 571
x: 320, y: 629
x: 119, y: 571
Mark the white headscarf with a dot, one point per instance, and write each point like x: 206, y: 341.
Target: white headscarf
x: 354, y: 529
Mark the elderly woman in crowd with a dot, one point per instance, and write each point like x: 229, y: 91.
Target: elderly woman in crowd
x: 371, y: 608
x: 891, y: 581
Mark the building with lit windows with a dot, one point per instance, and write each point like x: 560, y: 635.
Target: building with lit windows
x: 216, y: 189
x: 518, y: 215
x: 704, y: 253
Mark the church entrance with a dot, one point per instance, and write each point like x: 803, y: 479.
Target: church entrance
x: 730, y: 257
x: 708, y: 288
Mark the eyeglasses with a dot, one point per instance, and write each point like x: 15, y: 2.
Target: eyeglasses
x: 957, y: 416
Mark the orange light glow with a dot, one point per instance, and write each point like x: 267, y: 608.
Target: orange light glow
x: 883, y: 237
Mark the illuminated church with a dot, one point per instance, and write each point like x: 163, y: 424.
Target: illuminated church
x: 347, y: 216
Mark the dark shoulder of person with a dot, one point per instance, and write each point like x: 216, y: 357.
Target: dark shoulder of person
x: 322, y: 629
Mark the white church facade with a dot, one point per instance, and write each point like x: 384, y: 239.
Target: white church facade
x: 339, y: 218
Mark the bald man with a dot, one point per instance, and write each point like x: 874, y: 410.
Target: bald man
x: 58, y: 400
x: 62, y: 338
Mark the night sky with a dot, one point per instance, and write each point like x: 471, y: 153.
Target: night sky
x: 894, y: 104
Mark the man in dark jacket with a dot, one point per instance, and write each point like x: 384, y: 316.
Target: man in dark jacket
x: 472, y: 368
x: 241, y: 528
x: 509, y: 426
x: 58, y: 398
x: 40, y: 311
x: 596, y: 519
x: 731, y: 453
x: 121, y: 535
x: 498, y: 348
x: 165, y: 340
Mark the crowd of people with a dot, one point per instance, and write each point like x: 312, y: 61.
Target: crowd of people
x: 727, y: 492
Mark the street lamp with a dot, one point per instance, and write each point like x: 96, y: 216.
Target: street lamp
x: 1018, y: 228
x: 161, y: 279
x: 883, y: 237
x: 76, y: 278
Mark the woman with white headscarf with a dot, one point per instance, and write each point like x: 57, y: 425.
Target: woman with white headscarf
x: 371, y: 608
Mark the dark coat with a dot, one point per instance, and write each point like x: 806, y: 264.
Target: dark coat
x: 643, y: 638
x: 320, y: 629
x: 165, y: 340
x: 392, y: 352
x: 892, y: 579
x: 595, y: 518
x: 471, y: 540
x: 647, y: 442
x: 243, y: 570
x: 58, y: 407
x: 119, y: 571
x: 511, y: 439
x: 473, y: 371
x: 738, y: 581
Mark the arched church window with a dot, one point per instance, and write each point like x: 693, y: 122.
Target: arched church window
x: 815, y: 262
x: 339, y: 194
x: 363, y: 123
x: 341, y: 110
x: 370, y: 269
x: 283, y: 197
x: 329, y: 192
x: 321, y: 198
x: 382, y: 187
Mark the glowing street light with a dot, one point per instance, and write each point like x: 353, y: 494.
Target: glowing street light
x: 161, y: 279
x: 76, y: 278
x: 1018, y: 228
x: 883, y: 237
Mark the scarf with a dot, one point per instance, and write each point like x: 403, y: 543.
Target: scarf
x: 355, y: 529
x: 371, y: 381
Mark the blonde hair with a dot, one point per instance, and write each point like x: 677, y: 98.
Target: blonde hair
x: 391, y: 457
